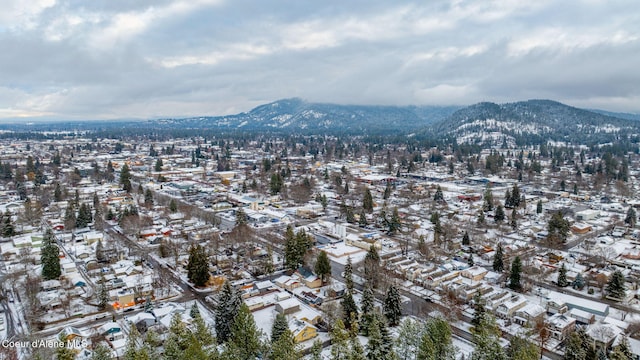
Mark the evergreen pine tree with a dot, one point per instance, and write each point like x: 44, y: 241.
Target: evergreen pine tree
x: 339, y: 341
x: 125, y: 178
x: 291, y: 253
x: 513, y: 221
x: 438, y: 196
x: 439, y: 331
x: 498, y: 215
x: 498, y: 262
x: 562, y: 276
x: 64, y: 352
x: 392, y: 306
x: 316, y: 350
x: 244, y: 341
x: 284, y: 348
x: 616, y: 287
x: 280, y: 325
x: 49, y: 257
x: 367, y: 201
x: 57, y: 193
x: 579, y: 282
x: 408, y: 341
x: 101, y: 352
x: 479, y: 312
x: 348, y: 275
x: 229, y: 302
x: 514, y: 275
x: 488, y: 200
x: 372, y: 266
x: 349, y: 309
x: 178, y: 340
x: 103, y: 294
x: 362, y: 221
x: 486, y: 337
x: 574, y: 349
x: 198, y: 265
x: 375, y: 347
x: 7, y: 227
x: 201, y: 332
x: 465, y: 239
x: 367, y: 306
x: 148, y: 198
x: 323, y: 266
x: 622, y: 351
x: 631, y: 217
x: 539, y: 207
x: 173, y: 206
x: 522, y: 349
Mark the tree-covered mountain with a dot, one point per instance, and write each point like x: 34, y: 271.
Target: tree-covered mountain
x: 297, y: 115
x: 531, y: 122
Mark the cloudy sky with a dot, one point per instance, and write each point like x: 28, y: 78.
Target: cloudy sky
x: 106, y: 59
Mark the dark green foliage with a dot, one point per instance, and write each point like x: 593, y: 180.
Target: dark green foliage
x: 558, y: 227
x: 125, y: 178
x: 498, y: 261
x: 229, y: 302
x: 631, y: 217
x: 367, y: 307
x: 392, y: 306
x: 244, y: 342
x: 8, y: 230
x: 284, y: 348
x: 367, y: 201
x: 499, y: 215
x: 323, y: 266
x: 562, y: 276
x: 173, y: 206
x: 622, y: 351
x: 438, y: 196
x: 57, y: 193
x: 437, y: 341
x: 296, y: 246
x: 49, y: 257
x: 84, y: 216
x: 276, y: 184
x: 488, y: 200
x: 579, y: 282
x: 349, y: 309
x: 522, y: 349
x: 394, y: 223
x: 574, y: 349
x: 465, y: 239
x: 514, y: 275
x: 148, y: 198
x: 280, y: 326
x: 539, y: 207
x: 616, y: 287
x: 372, y: 266
x: 348, y: 275
x: 379, y: 346
x: 198, y: 265
x: 479, y: 311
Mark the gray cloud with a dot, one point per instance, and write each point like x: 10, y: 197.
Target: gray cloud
x: 113, y: 59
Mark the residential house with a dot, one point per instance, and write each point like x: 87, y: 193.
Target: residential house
x: 507, y: 309
x: 560, y: 326
x: 302, y: 330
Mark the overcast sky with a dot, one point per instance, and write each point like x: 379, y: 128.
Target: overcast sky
x: 106, y: 59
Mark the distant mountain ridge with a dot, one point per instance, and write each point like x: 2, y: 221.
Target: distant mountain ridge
x: 297, y: 115
x: 531, y: 122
